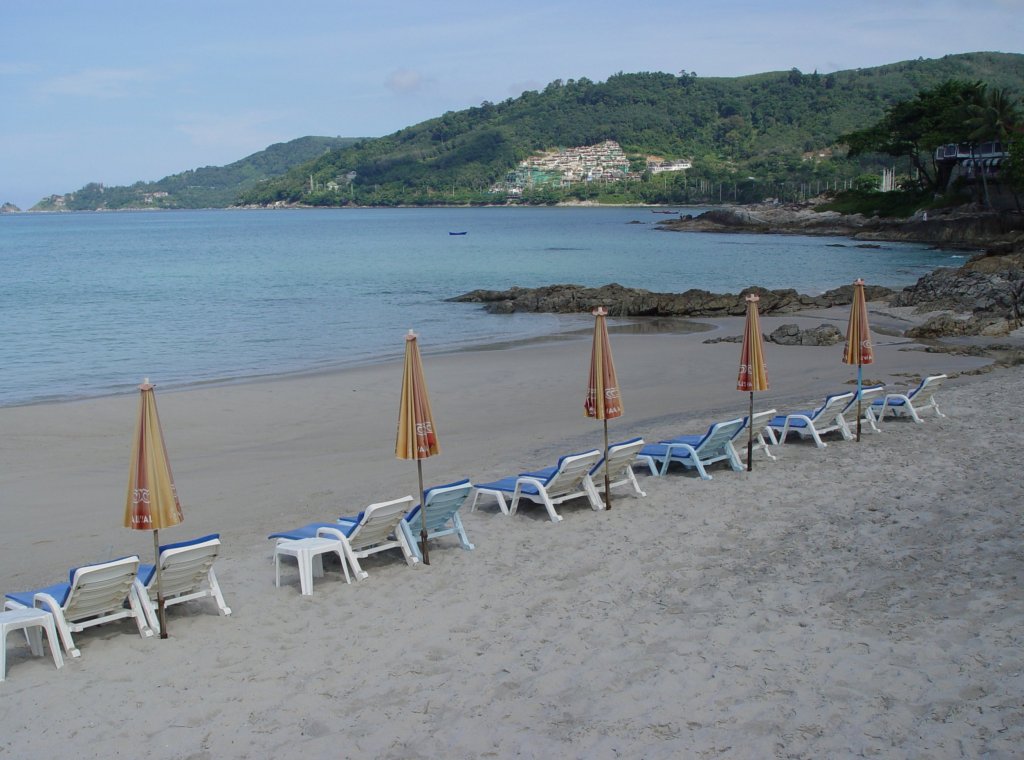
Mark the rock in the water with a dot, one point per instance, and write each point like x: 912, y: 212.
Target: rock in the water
x: 636, y: 302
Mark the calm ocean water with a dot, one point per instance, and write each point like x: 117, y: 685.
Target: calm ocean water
x: 90, y: 303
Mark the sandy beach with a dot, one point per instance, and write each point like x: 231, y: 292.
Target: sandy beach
x: 861, y: 600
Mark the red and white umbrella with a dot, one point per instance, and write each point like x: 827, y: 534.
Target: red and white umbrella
x: 858, y: 349
x: 753, y: 370
x: 417, y: 437
x: 603, y: 401
x: 152, y: 502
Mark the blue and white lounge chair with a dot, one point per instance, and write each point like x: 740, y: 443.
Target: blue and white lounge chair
x: 619, y: 461
x: 442, y: 516
x: 569, y: 479
x: 94, y: 594
x: 868, y: 396
x: 696, y: 451
x: 373, y: 530
x: 763, y: 435
x: 912, y: 403
x: 186, y: 573
x: 815, y: 423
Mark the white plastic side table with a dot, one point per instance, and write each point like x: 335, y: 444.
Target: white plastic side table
x: 29, y: 620
x: 308, y: 553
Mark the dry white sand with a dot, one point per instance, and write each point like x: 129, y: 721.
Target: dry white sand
x: 864, y: 599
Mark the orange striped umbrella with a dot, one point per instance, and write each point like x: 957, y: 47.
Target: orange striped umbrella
x: 603, y: 402
x: 417, y: 438
x: 753, y: 370
x: 858, y: 349
x: 152, y: 501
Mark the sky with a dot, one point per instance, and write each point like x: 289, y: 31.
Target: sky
x: 117, y: 92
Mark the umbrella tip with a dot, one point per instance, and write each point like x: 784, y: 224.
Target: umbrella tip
x: 859, y: 281
x: 146, y: 385
x: 600, y: 311
x: 410, y: 335
x: 753, y: 297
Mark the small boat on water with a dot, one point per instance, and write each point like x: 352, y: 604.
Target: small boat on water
x: 456, y: 233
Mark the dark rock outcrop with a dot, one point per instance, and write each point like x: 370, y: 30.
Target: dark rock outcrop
x: 989, y: 287
x: 792, y: 335
x: 968, y: 226
x: 635, y: 302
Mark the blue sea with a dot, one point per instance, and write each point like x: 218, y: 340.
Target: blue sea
x: 90, y: 303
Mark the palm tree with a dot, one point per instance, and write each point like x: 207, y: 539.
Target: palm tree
x: 992, y: 116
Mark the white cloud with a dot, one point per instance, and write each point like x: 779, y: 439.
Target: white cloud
x: 405, y: 80
x: 100, y: 83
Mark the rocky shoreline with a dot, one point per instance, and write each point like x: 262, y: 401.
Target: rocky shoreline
x: 967, y: 226
x: 984, y: 297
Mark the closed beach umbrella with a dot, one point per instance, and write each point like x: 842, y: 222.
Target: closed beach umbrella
x: 152, y: 501
x: 417, y: 438
x: 603, y: 402
x: 753, y: 370
x: 858, y: 349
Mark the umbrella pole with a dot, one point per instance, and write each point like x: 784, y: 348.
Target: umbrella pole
x: 859, y: 370
x: 607, y: 488
x: 750, y: 435
x: 161, y: 614
x: 423, y: 515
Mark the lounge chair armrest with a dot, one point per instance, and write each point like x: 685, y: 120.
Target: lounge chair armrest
x: 45, y: 600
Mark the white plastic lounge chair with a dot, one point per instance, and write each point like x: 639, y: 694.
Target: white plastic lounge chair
x: 569, y: 479
x: 375, y: 529
x: 186, y: 573
x: 94, y: 594
x: 696, y: 451
x: 759, y: 422
x: 912, y: 403
x: 815, y: 423
x: 442, y: 516
x: 868, y: 396
x: 619, y: 461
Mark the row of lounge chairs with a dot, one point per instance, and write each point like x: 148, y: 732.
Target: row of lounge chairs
x: 126, y: 588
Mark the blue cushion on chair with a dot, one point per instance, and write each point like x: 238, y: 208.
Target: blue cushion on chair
x: 505, y: 484
x: 58, y: 591
x: 146, y: 573
x: 306, y: 531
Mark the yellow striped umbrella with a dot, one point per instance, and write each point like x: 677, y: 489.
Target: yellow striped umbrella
x: 417, y: 437
x: 152, y: 501
x: 603, y: 401
x: 858, y: 349
x: 753, y: 370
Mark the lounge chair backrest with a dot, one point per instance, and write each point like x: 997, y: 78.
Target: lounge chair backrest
x: 572, y: 469
x: 760, y: 420
x: 867, y: 397
x: 378, y: 522
x: 442, y: 502
x: 718, y: 437
x: 833, y: 405
x: 620, y: 457
x: 101, y: 588
x: 922, y: 394
x: 185, y: 566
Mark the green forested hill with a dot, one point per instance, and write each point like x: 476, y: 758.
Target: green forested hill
x: 207, y: 187
x: 757, y: 132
